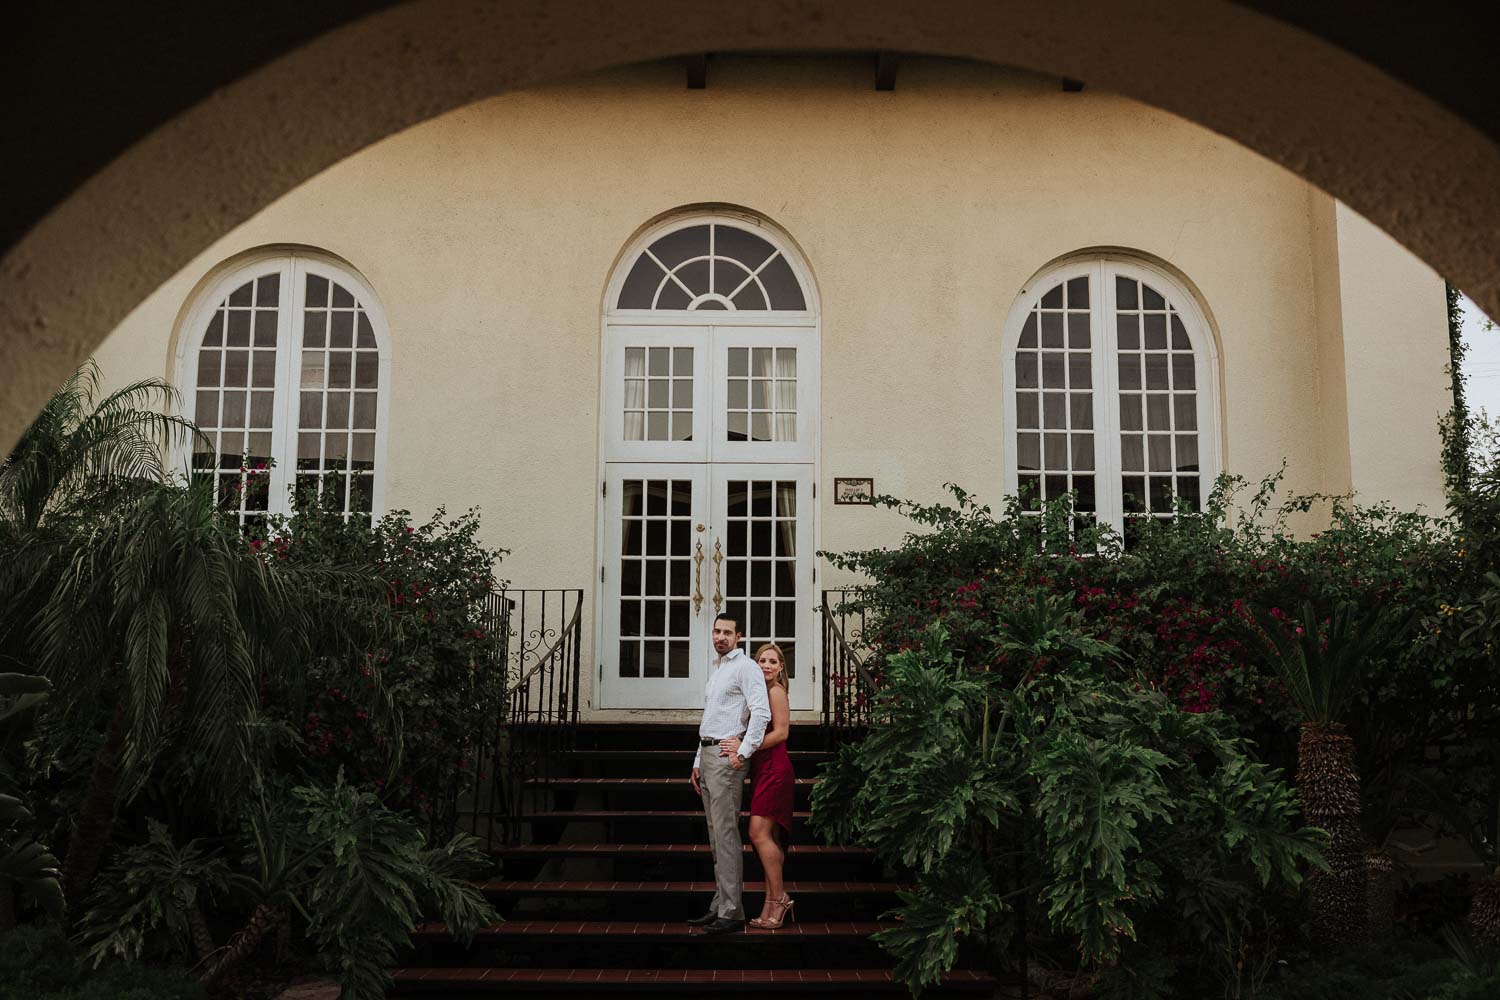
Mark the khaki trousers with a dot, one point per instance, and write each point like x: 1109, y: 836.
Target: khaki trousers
x: 722, y: 788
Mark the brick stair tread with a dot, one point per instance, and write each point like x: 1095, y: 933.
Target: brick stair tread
x: 633, y: 781
x: 524, y: 850
x: 658, y: 929
x: 604, y: 886
x: 669, y: 754
x: 601, y: 814
x: 460, y: 976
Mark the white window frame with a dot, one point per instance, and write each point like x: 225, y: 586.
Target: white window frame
x: 1101, y: 270
x: 293, y: 265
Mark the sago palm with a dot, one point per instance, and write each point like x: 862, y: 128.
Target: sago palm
x: 1323, y: 667
x: 162, y: 610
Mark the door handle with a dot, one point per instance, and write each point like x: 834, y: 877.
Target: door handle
x: 718, y: 575
x: 698, y: 578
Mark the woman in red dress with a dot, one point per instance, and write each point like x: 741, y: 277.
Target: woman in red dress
x: 772, y: 786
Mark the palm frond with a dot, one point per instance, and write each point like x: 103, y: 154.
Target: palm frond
x: 1323, y: 660
x: 82, y: 452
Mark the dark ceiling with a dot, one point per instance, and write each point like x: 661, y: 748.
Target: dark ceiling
x: 84, y: 80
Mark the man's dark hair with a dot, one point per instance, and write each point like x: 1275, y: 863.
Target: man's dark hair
x: 727, y: 617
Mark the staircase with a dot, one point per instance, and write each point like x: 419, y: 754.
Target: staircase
x: 616, y: 857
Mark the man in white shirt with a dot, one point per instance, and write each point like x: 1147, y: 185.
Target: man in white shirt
x: 735, y: 704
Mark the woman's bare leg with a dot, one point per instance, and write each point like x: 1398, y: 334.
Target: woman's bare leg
x: 769, y: 850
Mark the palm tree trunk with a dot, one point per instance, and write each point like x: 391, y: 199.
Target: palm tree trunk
x: 203, y: 941
x: 1484, y: 911
x: 242, y: 944
x: 96, y: 818
x: 1328, y: 784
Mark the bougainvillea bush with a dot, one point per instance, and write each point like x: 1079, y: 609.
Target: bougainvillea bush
x: 1187, y: 609
x: 414, y: 740
x: 1177, y: 603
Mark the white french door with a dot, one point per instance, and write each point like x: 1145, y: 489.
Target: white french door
x: 685, y: 542
x: 708, y: 506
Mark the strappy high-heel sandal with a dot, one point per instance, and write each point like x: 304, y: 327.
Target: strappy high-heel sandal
x: 770, y: 924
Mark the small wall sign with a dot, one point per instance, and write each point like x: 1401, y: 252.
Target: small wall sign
x: 854, y: 491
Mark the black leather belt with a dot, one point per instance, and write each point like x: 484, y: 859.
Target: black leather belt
x: 704, y: 741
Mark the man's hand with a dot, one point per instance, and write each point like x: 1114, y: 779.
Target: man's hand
x: 736, y: 761
x: 693, y: 780
x: 729, y: 746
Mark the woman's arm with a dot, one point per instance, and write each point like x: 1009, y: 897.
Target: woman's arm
x: 781, y: 718
x: 777, y: 732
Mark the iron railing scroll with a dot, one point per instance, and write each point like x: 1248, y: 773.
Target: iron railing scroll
x: 849, y: 685
x: 536, y: 656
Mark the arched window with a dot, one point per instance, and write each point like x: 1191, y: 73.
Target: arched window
x: 1111, y: 392
x: 716, y: 266
x: 285, y: 363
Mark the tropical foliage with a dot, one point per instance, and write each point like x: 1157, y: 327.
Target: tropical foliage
x: 198, y: 679
x: 1260, y: 612
x: 427, y: 637
x: 1068, y: 793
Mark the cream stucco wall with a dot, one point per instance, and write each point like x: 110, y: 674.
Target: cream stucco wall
x: 489, y: 234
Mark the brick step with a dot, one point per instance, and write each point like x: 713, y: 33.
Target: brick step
x: 575, y: 929
x: 659, y: 735
x: 653, y: 850
x: 508, y: 982
x: 658, y: 763
x: 606, y: 887
x: 674, y: 754
x: 607, y: 815
x: 648, y: 782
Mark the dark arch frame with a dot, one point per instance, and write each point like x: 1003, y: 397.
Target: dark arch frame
x: 1388, y: 148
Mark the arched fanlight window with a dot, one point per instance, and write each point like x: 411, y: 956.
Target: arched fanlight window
x: 714, y: 266
x: 1112, y: 392
x: 286, y: 362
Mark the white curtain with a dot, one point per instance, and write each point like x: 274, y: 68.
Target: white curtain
x: 635, y: 393
x: 785, y: 396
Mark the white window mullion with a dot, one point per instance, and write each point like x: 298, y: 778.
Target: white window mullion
x: 288, y: 365
x: 1111, y: 503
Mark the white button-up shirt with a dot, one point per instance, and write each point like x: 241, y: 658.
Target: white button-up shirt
x: 735, y: 702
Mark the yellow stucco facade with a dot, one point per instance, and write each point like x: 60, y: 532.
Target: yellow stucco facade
x: 488, y: 235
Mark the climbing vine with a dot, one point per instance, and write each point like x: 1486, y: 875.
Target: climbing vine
x: 1456, y: 427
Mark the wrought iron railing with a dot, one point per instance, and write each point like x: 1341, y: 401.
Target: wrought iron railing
x: 849, y: 685
x: 537, y: 656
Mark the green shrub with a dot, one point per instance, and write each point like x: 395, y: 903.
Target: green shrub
x: 1177, y: 601
x: 39, y: 963
x: 428, y: 647
x: 1094, y: 802
x: 1410, y: 970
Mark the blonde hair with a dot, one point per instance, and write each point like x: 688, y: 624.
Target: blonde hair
x: 780, y: 677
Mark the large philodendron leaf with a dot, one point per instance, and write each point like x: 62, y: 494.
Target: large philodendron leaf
x: 34, y: 871
x: 1259, y: 813
x: 22, y: 692
x: 1094, y: 800
x: 953, y: 904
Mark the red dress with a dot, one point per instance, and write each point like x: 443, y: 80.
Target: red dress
x: 772, y: 785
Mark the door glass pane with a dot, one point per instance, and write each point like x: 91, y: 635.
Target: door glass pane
x: 655, y: 571
x: 763, y: 575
